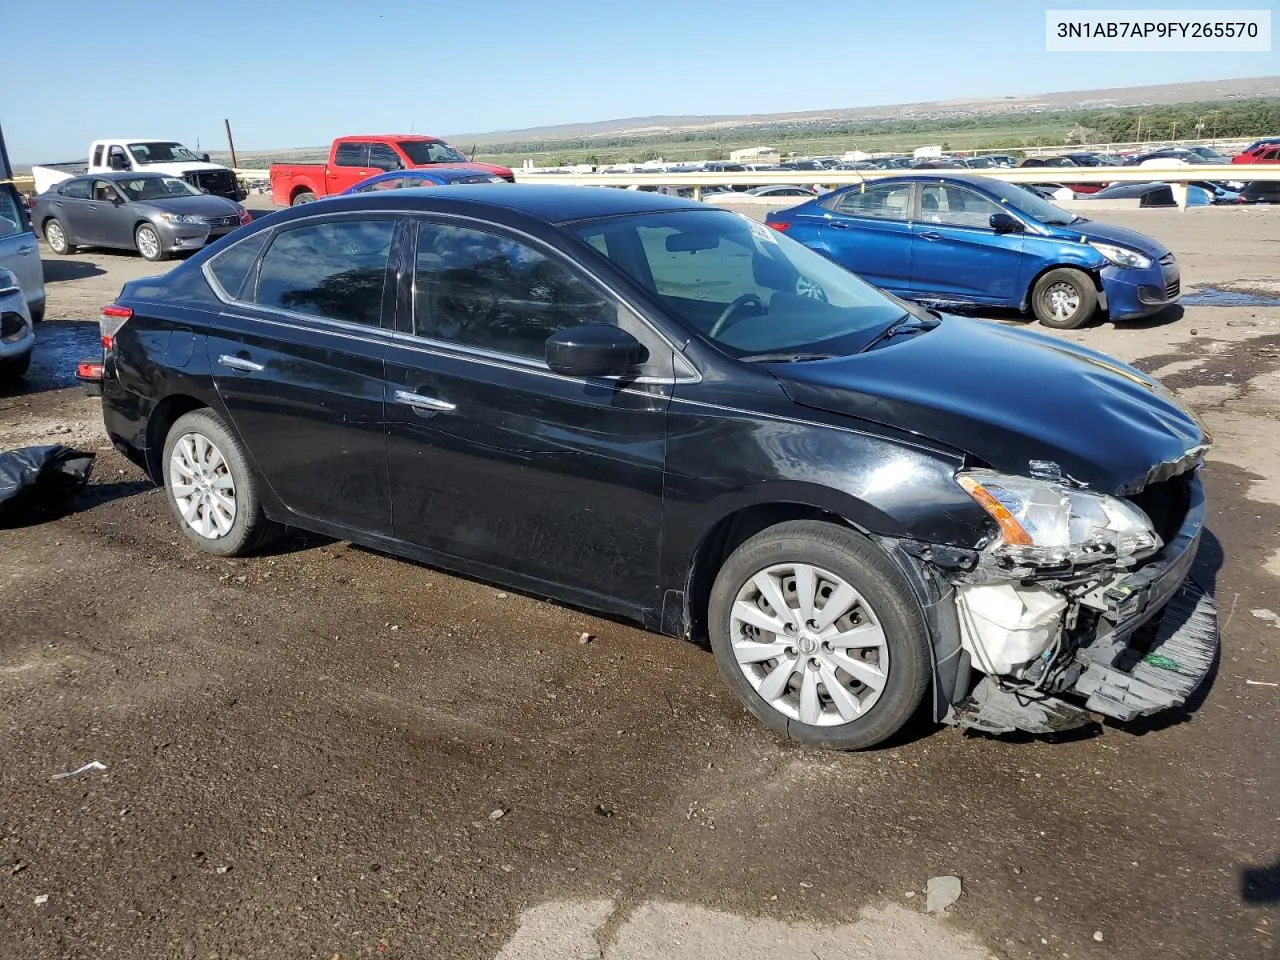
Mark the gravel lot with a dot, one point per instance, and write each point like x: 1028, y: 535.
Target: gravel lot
x: 326, y: 752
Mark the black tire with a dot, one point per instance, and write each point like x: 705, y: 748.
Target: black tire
x: 250, y: 529
x: 37, y: 314
x: 58, y: 242
x: 1076, y: 286
x: 864, y: 567
x: 14, y: 368
x: 306, y: 196
x: 153, y: 252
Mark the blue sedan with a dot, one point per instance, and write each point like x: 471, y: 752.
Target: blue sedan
x: 410, y: 179
x: 955, y: 239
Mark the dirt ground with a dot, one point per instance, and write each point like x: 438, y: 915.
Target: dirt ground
x: 326, y: 752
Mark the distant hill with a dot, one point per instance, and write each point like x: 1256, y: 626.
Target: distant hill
x: 935, y: 109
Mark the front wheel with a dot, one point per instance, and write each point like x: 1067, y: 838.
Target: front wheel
x: 819, y: 635
x: 212, y: 491
x: 14, y: 368
x: 147, y: 240
x: 1064, y: 299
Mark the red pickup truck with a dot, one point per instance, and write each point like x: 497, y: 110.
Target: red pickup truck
x: 352, y: 159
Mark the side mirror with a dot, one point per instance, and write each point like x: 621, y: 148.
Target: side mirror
x: 204, y: 157
x: 1005, y: 223
x: 593, y: 350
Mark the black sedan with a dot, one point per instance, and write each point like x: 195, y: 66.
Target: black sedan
x: 153, y: 213
x: 664, y: 411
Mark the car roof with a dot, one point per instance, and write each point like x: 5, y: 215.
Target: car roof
x: 549, y: 203
x: 126, y: 175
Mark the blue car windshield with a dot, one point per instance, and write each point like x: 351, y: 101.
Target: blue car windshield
x: 745, y: 287
x: 1026, y: 202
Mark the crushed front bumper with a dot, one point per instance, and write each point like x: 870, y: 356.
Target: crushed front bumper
x: 1156, y: 643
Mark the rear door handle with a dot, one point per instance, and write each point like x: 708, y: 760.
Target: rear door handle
x: 931, y: 236
x: 240, y: 363
x: 428, y: 404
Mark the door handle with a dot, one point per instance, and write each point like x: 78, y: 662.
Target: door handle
x: 838, y: 225
x: 427, y: 404
x: 930, y: 236
x: 240, y: 363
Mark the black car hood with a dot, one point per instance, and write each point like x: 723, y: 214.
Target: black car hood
x: 1007, y: 397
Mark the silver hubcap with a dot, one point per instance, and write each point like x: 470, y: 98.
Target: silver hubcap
x: 1063, y: 300
x: 57, y: 239
x: 202, y: 486
x: 809, y: 644
x: 148, y: 243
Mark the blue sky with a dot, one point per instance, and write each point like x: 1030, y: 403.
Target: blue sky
x: 290, y: 73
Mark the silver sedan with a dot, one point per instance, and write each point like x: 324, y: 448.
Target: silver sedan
x: 155, y: 214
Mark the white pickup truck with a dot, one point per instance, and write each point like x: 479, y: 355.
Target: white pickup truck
x: 150, y: 156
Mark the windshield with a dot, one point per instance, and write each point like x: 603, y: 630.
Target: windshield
x: 161, y: 152
x: 156, y: 188
x: 745, y: 287
x: 430, y: 151
x: 1024, y: 201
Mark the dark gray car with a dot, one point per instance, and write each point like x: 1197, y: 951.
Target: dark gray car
x: 153, y: 213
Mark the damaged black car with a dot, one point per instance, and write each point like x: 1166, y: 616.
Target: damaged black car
x: 662, y: 411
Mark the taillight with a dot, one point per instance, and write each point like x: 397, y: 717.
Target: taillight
x: 110, y: 320
x: 778, y: 225
x: 89, y: 370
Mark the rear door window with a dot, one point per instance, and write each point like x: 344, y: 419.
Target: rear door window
x: 76, y: 189
x: 11, y: 218
x: 352, y: 154
x: 336, y: 270
x: 884, y: 201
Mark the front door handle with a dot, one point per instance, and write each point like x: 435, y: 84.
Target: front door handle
x: 419, y: 402
x: 930, y: 236
x: 240, y: 363
x: 839, y: 225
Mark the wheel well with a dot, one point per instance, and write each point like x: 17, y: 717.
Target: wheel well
x: 1092, y: 274
x: 299, y: 190
x: 163, y: 417
x: 725, y: 537
x: 147, y: 223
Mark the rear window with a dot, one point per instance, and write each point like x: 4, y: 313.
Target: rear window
x: 232, y: 266
x: 11, y: 219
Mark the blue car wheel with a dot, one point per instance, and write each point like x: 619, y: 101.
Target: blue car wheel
x: 1064, y: 299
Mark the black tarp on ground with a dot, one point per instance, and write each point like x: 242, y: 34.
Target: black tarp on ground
x: 32, y: 478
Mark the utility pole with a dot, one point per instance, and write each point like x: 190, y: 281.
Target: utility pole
x: 235, y: 164
x: 1139, y: 137
x: 1175, y: 131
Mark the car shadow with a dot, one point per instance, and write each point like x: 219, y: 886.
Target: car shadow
x: 1260, y: 886
x: 58, y: 271
x: 40, y: 508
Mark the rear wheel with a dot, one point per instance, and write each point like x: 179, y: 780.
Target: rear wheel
x: 306, y: 196
x: 212, y: 491
x: 1064, y: 299
x: 147, y: 240
x: 819, y: 635
x: 56, y: 236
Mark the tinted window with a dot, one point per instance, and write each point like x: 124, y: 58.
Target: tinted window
x: 10, y: 216
x: 231, y: 267
x: 76, y: 189
x: 97, y: 155
x: 391, y: 183
x: 1271, y: 155
x: 383, y: 157
x: 886, y: 201
x: 335, y: 270
x: 948, y: 203
x: 430, y: 151
x: 352, y: 155
x: 494, y: 293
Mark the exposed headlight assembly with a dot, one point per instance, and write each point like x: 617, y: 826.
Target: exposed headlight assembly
x: 1121, y: 256
x: 1047, y: 523
x: 182, y: 218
